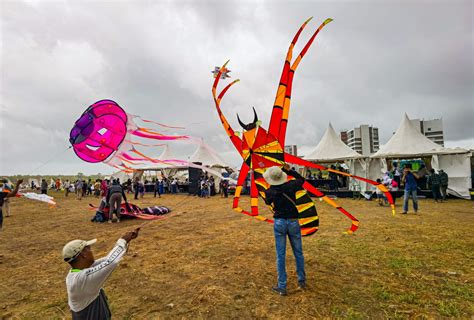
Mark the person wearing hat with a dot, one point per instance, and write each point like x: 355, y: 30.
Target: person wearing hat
x: 86, y: 298
x: 5, y: 193
x: 282, y: 197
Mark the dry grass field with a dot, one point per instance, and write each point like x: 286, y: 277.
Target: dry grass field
x: 209, y: 262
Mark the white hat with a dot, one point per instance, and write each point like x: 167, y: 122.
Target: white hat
x: 275, y: 176
x: 72, y: 249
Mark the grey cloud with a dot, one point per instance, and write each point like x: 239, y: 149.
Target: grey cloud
x: 377, y: 60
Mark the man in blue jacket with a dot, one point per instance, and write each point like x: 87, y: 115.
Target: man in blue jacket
x: 409, y: 179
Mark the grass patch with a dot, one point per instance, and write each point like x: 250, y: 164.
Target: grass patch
x: 404, y: 263
x: 211, y: 262
x: 449, y: 309
x: 383, y: 293
x: 408, y: 297
x: 459, y: 290
x: 347, y: 313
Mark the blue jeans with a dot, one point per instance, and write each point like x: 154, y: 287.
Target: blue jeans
x: 282, y: 228
x: 414, y: 198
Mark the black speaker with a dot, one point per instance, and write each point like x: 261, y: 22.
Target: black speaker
x: 194, y: 176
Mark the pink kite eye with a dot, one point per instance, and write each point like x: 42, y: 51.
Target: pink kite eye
x: 102, y: 140
x: 102, y: 154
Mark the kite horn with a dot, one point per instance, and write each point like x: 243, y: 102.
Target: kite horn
x: 244, y: 126
x: 255, y: 118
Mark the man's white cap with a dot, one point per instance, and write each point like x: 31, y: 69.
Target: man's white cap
x: 275, y: 176
x: 72, y: 249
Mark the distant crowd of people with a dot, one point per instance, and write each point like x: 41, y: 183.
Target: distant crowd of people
x: 422, y: 179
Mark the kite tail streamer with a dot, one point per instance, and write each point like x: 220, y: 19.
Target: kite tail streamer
x: 238, y: 190
x: 158, y: 123
x: 172, y: 162
x: 380, y: 186
x: 144, y: 144
x: 319, y: 194
x: 122, y: 167
x: 124, y: 159
x: 150, y: 134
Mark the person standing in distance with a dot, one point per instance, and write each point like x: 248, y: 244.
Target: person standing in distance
x: 5, y: 193
x: 410, y: 180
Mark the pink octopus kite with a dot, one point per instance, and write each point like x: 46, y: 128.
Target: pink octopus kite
x: 103, y: 134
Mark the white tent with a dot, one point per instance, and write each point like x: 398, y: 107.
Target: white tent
x: 207, y: 157
x: 165, y: 168
x: 331, y: 148
x: 122, y: 176
x: 458, y: 168
x: 409, y: 142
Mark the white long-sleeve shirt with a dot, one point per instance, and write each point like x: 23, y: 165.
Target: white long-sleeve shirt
x: 83, y: 286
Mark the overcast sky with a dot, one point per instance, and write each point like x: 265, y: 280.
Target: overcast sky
x: 374, y: 62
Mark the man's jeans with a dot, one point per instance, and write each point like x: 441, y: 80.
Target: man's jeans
x: 406, y: 197
x: 282, y: 228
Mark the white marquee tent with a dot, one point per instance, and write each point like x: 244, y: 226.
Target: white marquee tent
x: 409, y: 142
x: 203, y: 154
x: 208, y: 157
x: 331, y: 148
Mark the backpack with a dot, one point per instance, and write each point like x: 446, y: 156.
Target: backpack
x: 99, y: 217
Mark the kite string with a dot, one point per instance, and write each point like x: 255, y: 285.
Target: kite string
x: 48, y: 161
x: 172, y: 214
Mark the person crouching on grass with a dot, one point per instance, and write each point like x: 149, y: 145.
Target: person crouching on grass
x: 84, y: 282
x: 282, y: 194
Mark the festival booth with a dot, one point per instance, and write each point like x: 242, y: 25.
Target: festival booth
x: 207, y: 157
x: 203, y: 156
x: 163, y: 169
x: 409, y: 143
x: 331, y: 150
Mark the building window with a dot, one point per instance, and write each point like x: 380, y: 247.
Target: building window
x: 429, y: 129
